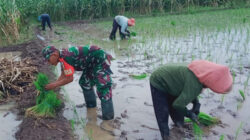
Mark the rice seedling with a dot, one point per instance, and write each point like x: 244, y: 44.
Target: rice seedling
x: 197, y: 131
x: 72, y: 122
x: 138, y: 77
x: 133, y: 33
x: 242, y: 94
x: 205, y: 119
x: 222, y: 137
x: 238, y: 130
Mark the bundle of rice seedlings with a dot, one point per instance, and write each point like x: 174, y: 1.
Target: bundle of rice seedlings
x: 46, y: 108
x: 40, y: 83
x: 133, y: 33
x: 205, y: 119
x: 46, y: 101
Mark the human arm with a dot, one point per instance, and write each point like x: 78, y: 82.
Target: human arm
x: 191, y: 89
x: 61, y: 81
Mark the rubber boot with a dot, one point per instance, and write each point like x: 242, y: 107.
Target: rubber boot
x: 90, y: 98
x: 107, y: 109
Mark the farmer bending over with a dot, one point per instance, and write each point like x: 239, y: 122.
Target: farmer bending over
x: 122, y: 23
x: 45, y: 19
x: 174, y: 86
x: 95, y: 66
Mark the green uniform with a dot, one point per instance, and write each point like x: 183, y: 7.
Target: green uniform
x: 177, y: 80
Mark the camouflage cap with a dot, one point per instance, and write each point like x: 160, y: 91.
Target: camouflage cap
x: 47, y: 51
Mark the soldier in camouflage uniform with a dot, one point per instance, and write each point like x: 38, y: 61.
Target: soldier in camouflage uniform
x: 95, y: 66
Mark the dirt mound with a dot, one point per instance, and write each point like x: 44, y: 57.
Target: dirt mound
x: 32, y: 128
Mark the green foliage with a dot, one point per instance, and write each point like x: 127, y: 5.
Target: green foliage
x: 46, y: 101
x: 205, y: 119
x: 173, y: 23
x: 133, y: 33
x: 138, y: 77
x: 222, y: 137
x: 72, y: 122
x: 238, y: 130
x: 242, y: 94
x: 197, y: 131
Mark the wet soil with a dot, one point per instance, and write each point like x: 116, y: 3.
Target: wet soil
x: 32, y: 128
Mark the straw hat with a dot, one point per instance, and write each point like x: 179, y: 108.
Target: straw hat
x: 214, y: 76
x: 131, y: 22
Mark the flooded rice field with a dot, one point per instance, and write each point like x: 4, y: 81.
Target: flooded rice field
x: 153, y: 46
x: 134, y: 115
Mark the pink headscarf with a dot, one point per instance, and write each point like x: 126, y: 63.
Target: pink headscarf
x: 216, y: 77
x: 131, y: 22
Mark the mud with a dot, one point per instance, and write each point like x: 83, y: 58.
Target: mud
x: 32, y: 128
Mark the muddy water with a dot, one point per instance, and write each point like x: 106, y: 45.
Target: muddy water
x: 134, y: 115
x: 8, y: 121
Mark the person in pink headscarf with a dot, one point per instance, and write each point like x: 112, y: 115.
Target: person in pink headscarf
x: 122, y: 23
x: 174, y: 86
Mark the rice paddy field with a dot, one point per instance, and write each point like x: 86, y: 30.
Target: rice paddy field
x: 219, y: 36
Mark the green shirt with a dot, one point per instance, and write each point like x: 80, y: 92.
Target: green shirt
x: 179, y: 81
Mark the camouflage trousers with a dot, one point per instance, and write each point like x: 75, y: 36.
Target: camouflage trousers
x: 99, y: 77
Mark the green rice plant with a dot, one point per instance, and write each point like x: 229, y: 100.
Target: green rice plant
x: 138, y: 77
x: 222, y: 99
x: 222, y: 137
x: 173, y: 23
x: 72, y: 122
x: 133, y: 33
x: 197, y: 131
x: 40, y: 83
x: 242, y: 94
x: 238, y: 130
x: 205, y: 119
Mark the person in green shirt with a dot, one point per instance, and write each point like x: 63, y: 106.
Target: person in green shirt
x: 174, y: 86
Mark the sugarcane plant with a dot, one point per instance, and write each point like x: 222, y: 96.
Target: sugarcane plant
x: 46, y: 101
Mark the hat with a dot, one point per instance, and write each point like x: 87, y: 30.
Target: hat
x: 47, y: 51
x: 214, y: 76
x: 131, y: 22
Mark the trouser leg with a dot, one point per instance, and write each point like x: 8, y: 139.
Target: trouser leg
x: 114, y: 29
x: 88, y: 91
x: 161, y: 110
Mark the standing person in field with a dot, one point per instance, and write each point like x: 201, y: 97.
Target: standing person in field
x: 95, y: 66
x: 122, y: 23
x: 174, y: 86
x: 45, y: 19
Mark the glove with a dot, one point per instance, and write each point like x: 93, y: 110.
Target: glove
x: 196, y: 106
x: 192, y: 116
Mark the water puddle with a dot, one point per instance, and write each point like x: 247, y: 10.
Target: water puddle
x: 9, y: 124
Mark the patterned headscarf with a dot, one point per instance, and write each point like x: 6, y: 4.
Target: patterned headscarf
x: 47, y: 51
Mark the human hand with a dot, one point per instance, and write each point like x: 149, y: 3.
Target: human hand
x: 196, y: 107
x: 192, y: 116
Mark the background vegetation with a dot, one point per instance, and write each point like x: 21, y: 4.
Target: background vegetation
x: 14, y: 14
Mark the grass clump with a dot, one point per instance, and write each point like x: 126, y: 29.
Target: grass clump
x: 46, y: 102
x: 205, y: 119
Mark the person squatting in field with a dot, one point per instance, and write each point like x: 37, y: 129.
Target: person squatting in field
x: 95, y: 66
x: 45, y: 18
x: 174, y: 86
x: 122, y: 23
